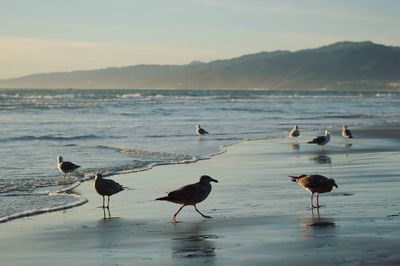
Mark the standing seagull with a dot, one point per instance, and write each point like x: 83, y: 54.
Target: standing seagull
x: 346, y: 133
x: 294, y: 133
x: 322, y: 140
x: 66, y: 167
x: 106, y: 187
x: 191, y: 194
x: 201, y: 131
x: 315, y: 184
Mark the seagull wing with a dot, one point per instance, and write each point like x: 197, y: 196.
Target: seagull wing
x: 314, y: 181
x: 202, y: 131
x: 190, y: 194
x: 68, y: 166
x: 348, y: 133
x: 111, y: 187
x: 294, y: 133
x: 319, y: 139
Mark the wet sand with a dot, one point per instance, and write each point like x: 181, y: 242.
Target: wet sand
x: 260, y: 216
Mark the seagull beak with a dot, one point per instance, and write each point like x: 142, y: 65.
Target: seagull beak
x: 335, y: 185
x: 214, y: 180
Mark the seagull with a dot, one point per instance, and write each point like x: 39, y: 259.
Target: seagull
x: 201, y: 131
x: 346, y: 133
x: 191, y: 195
x: 294, y: 133
x: 106, y: 187
x: 322, y: 140
x: 66, y: 167
x: 315, y: 184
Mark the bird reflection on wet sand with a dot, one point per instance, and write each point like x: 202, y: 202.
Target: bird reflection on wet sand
x: 296, y: 149
x: 347, y: 144
x: 295, y: 146
x: 318, y: 228
x: 317, y: 222
x: 322, y: 159
x: 193, y: 243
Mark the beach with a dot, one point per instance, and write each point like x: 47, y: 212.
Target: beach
x: 260, y: 217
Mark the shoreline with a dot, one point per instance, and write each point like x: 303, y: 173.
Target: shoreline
x: 388, y: 132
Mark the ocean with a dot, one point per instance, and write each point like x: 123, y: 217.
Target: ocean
x: 122, y: 131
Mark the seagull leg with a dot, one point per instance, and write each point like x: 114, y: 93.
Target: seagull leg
x: 108, y: 202
x: 103, y: 203
x: 205, y: 216
x: 174, y: 218
x: 317, y: 200
x: 312, y: 203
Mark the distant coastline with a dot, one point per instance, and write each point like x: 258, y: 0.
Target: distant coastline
x: 356, y: 66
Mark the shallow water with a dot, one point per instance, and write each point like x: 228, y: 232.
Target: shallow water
x: 117, y: 131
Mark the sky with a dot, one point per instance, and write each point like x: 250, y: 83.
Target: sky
x: 39, y: 36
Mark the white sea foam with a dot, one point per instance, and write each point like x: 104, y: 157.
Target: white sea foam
x: 76, y: 201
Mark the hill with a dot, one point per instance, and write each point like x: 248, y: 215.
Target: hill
x: 342, y: 65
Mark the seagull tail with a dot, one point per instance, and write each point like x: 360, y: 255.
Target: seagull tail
x: 311, y: 142
x: 162, y: 198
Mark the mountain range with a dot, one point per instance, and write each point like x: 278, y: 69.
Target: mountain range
x: 339, y: 66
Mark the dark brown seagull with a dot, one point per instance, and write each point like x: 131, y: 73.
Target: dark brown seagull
x: 191, y: 195
x: 106, y: 187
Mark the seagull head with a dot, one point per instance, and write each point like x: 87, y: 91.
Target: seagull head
x: 344, y: 127
x: 332, y: 182
x: 207, y: 179
x: 294, y: 177
x: 197, y: 126
x: 296, y: 127
x: 327, y: 132
x: 98, y: 176
x: 60, y: 159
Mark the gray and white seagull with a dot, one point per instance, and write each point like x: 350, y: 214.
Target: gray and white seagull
x: 201, y: 131
x: 321, y: 140
x: 191, y: 195
x: 346, y: 133
x: 66, y: 167
x: 294, y: 133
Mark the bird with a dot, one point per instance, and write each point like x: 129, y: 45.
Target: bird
x: 315, y: 184
x: 201, y: 131
x: 106, y: 187
x: 321, y: 140
x: 294, y: 133
x: 66, y: 167
x: 346, y: 133
x: 191, y: 195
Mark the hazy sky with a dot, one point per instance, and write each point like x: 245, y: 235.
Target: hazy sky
x: 62, y: 35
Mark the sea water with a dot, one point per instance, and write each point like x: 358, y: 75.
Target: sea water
x: 121, y: 131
